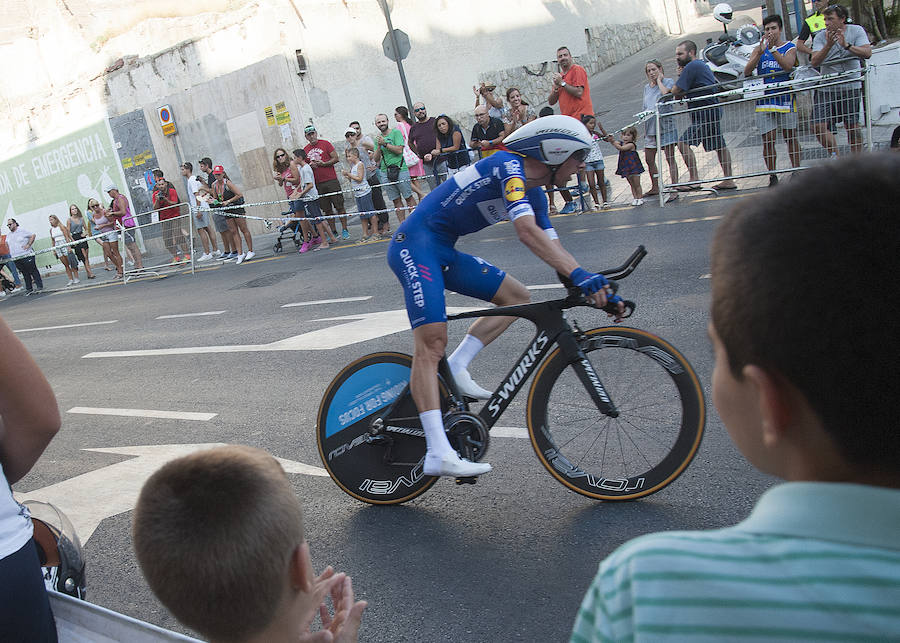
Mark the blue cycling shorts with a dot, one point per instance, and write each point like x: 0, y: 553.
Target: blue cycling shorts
x: 425, y: 264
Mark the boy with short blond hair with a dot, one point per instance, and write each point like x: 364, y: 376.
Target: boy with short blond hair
x: 219, y: 537
x: 805, y: 318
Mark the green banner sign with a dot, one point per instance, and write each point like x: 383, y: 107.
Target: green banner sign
x: 48, y: 178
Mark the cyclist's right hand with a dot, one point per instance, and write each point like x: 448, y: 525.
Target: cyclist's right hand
x: 591, y: 284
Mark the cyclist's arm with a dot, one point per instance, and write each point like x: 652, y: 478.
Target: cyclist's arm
x: 550, y: 251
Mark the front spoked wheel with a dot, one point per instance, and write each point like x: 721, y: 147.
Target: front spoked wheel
x: 382, y: 465
x: 656, y: 434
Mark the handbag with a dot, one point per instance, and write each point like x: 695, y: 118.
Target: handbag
x: 393, y: 172
x: 412, y: 159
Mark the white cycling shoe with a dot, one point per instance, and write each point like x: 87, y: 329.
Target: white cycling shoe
x: 467, y: 385
x: 452, y: 465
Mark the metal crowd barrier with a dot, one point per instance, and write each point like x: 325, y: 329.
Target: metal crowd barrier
x: 735, y: 124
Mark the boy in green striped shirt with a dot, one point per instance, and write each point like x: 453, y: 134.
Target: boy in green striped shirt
x: 805, y: 318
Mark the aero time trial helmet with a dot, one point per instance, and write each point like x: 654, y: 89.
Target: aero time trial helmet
x: 550, y: 140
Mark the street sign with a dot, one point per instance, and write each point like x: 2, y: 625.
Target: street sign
x: 167, y: 120
x: 402, y: 45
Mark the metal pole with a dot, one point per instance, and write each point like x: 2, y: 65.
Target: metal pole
x: 867, y: 105
x: 660, y: 154
x: 390, y: 26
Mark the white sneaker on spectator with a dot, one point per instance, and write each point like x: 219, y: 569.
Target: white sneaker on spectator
x: 76, y: 280
x: 240, y: 259
x: 70, y: 282
x: 204, y: 257
x: 249, y: 256
x: 217, y: 254
x: 467, y: 385
x: 452, y: 465
x: 18, y: 289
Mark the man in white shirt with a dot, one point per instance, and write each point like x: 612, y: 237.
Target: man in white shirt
x: 198, y: 194
x: 20, y: 241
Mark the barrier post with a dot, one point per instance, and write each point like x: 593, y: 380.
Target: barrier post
x: 867, y: 104
x: 660, y: 159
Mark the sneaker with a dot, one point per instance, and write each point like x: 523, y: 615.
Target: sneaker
x: 250, y: 255
x: 634, y: 202
x: 2, y: 294
x: 639, y: 202
x: 28, y: 293
x: 70, y: 283
x: 315, y: 241
x: 187, y: 257
x: 217, y: 254
x: 467, y: 385
x: 240, y: 259
x: 18, y: 288
x: 204, y: 257
x: 130, y: 263
x: 304, y: 247
x: 605, y: 205
x: 345, y: 234
x: 452, y: 465
x: 177, y: 259
x: 76, y: 281
x: 229, y: 257
x: 568, y: 208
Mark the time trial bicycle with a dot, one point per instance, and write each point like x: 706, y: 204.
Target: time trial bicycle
x: 613, y: 413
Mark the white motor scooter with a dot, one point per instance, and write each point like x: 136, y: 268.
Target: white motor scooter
x: 728, y: 57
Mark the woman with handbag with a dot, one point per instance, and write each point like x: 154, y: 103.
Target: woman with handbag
x: 61, y: 237
x: 79, y: 229
x: 413, y: 162
x: 229, y: 197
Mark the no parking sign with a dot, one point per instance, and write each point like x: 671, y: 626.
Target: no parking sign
x: 167, y: 120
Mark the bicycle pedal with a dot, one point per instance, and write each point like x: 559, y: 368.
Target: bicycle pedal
x: 467, y: 480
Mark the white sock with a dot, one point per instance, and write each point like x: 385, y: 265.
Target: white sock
x: 466, y: 351
x: 435, y: 438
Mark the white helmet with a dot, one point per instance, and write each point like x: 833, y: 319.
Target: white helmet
x: 550, y: 140
x: 723, y: 12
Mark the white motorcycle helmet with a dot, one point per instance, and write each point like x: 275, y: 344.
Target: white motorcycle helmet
x: 59, y: 549
x: 723, y: 12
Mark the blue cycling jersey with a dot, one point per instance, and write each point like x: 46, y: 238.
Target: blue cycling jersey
x: 490, y: 191
x: 421, y: 253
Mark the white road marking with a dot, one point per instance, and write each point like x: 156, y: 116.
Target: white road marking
x: 509, y: 432
x: 359, y: 328
x: 91, y: 497
x: 143, y: 413
x: 544, y: 286
x: 211, y: 312
x: 326, y: 301
x: 100, y: 323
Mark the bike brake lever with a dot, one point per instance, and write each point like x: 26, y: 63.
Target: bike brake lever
x: 613, y: 309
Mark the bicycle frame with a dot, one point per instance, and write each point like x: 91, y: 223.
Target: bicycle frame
x: 552, y: 330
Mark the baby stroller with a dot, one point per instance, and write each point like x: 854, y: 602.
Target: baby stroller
x: 291, y: 230
x: 6, y: 284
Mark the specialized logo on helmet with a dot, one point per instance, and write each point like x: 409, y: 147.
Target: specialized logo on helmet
x: 514, y: 189
x: 556, y: 154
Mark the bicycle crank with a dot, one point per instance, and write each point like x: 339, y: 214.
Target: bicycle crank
x: 467, y: 433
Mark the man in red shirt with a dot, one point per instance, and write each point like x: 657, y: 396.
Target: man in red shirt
x: 572, y: 90
x: 165, y: 199
x: 322, y: 157
x: 570, y: 87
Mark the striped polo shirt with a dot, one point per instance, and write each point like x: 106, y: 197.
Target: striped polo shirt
x: 814, y: 561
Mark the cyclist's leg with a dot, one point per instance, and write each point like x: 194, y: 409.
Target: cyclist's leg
x: 475, y: 277
x: 417, y: 263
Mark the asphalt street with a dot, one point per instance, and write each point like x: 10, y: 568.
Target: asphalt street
x: 505, y: 560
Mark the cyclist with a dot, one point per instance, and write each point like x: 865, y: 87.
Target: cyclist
x: 508, y: 185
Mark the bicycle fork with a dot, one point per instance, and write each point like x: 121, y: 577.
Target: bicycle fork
x: 587, y: 374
